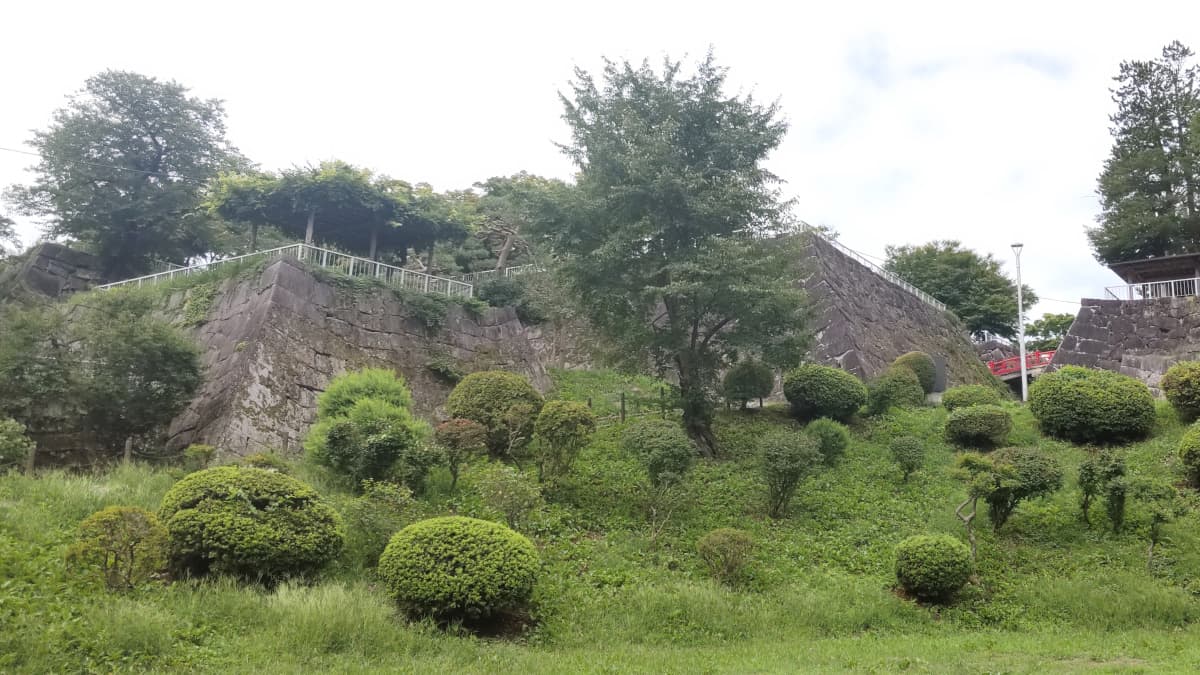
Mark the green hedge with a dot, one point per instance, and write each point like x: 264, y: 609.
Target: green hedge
x: 250, y: 523
x: 1091, y: 406
x: 922, y: 365
x: 933, y: 567
x: 1189, y: 453
x: 821, y: 391
x: 459, y: 568
x: 978, y: 426
x: 832, y: 438
x: 969, y: 395
x: 895, y: 388
x: 503, y: 402
x: 1181, y: 386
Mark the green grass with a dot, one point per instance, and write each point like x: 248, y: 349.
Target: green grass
x: 1051, y: 595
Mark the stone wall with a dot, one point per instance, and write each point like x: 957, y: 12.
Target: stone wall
x: 50, y: 270
x: 270, y: 345
x: 862, y: 321
x: 1139, y: 338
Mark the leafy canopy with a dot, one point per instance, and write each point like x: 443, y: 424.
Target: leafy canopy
x: 669, y: 247
x: 123, y: 169
x: 1047, y: 332
x: 1148, y: 187
x: 972, y: 285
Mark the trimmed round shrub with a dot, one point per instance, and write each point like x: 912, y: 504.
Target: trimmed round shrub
x: 1016, y: 475
x: 459, y: 568
x: 503, y: 402
x: 922, y: 365
x: 663, y: 446
x: 1181, y: 386
x: 562, y: 429
x: 832, y: 438
x: 821, y: 391
x: 346, y: 389
x: 1189, y: 453
x: 1091, y: 406
x: 123, y: 545
x: 979, y: 426
x: 909, y: 453
x: 266, y: 460
x: 788, y: 458
x: 933, y: 567
x: 748, y: 380
x: 249, y: 523
x: 895, y: 388
x: 371, y: 439
x: 968, y: 395
x: 459, y: 439
x: 725, y: 552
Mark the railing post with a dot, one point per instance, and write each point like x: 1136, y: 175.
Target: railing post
x: 426, y: 283
x: 350, y: 267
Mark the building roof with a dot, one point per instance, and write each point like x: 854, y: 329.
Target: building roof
x: 1162, y: 268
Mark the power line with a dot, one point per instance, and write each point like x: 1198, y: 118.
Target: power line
x: 111, y: 166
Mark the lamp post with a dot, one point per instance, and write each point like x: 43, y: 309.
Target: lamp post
x: 1021, y: 324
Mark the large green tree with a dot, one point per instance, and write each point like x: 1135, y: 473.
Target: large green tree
x: 972, y: 285
x: 123, y: 168
x: 1150, y: 184
x: 1047, y: 332
x: 669, y: 243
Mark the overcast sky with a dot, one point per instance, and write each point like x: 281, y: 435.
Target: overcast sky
x: 910, y: 121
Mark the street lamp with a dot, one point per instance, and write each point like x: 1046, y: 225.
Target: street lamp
x: 1021, y: 324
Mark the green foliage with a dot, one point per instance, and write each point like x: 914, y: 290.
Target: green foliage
x: 966, y: 395
x: 511, y: 292
x: 1010, y: 476
x: 562, y: 429
x: 372, y: 438
x: 1148, y: 185
x: 933, y: 567
x: 895, y: 388
x: 1181, y: 386
x: 662, y: 446
x: 1091, y: 406
x: 267, y: 461
x: 920, y: 363
x: 747, y: 380
x: 198, y: 304
x: 378, y: 383
x: 725, y: 552
x: 15, y: 446
x: 1102, y: 474
x: 670, y: 159
x: 978, y: 426
x: 460, y: 440
x: 832, y: 438
x: 457, y: 568
x: 104, y: 158
x: 821, y: 391
x: 248, y: 523
x: 504, y: 403
x: 123, y: 545
x: 198, y: 456
x: 508, y: 492
x: 787, y: 459
x: 909, y: 453
x: 1189, y: 453
x: 973, y: 286
x: 1047, y: 333
x: 379, y: 511
x: 39, y: 371
x: 446, y: 368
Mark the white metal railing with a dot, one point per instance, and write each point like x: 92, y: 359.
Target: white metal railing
x: 353, y: 266
x: 922, y: 295
x: 1176, y: 288
x: 492, y: 274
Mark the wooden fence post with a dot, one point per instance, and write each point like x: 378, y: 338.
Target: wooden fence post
x: 622, y: 407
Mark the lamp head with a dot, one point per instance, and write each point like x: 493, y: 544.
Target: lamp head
x: 1017, y: 248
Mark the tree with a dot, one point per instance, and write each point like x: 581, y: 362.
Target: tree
x: 123, y: 168
x: 1148, y: 187
x: 971, y: 285
x: 8, y: 236
x: 669, y: 244
x: 511, y: 205
x: 1048, y: 331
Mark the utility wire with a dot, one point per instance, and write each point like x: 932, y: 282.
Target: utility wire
x: 110, y: 166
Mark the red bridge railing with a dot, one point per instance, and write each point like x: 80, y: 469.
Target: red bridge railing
x: 1013, y: 364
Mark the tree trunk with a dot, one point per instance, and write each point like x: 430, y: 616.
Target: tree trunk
x: 967, y: 521
x: 502, y: 259
x: 697, y: 414
x: 429, y: 257
x: 30, y: 461
x: 374, y: 241
x: 308, y: 230
x: 253, y: 236
x: 128, y: 459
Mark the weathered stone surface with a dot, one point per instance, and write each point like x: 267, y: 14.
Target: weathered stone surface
x: 50, y: 270
x: 271, y: 345
x: 1139, y: 338
x: 862, y: 321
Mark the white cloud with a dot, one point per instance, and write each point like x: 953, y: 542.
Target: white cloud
x: 909, y: 121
